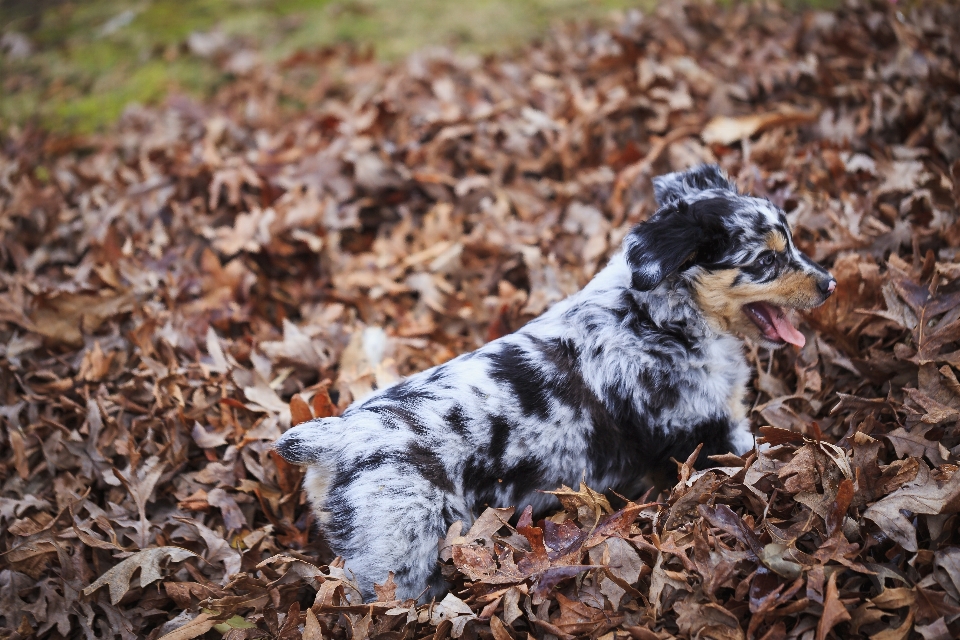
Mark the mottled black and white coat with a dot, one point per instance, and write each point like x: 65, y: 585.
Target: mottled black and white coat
x: 640, y: 366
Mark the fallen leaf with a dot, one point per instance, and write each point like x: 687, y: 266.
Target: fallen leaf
x: 927, y: 498
x: 834, y: 612
x: 727, y: 130
x: 147, y: 561
x: 898, y: 633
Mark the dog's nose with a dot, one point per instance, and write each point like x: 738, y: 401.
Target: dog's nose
x: 827, y: 287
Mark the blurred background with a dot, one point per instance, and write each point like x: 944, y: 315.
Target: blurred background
x: 72, y: 66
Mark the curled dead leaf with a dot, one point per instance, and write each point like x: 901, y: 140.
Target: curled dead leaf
x: 727, y: 130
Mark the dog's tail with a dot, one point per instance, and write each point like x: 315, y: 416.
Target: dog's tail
x: 310, y: 442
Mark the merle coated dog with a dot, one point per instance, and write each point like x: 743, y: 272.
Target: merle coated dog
x: 640, y: 366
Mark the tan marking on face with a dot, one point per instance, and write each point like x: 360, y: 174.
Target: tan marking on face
x: 794, y: 289
x: 722, y: 302
x: 776, y: 242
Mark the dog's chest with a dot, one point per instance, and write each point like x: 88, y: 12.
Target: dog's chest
x: 707, y: 384
x: 724, y: 379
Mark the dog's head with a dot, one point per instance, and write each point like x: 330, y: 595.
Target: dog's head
x: 735, y: 252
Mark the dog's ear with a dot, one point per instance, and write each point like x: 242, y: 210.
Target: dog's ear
x: 679, y: 233
x: 674, y: 186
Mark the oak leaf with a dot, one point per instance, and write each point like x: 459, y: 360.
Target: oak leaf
x: 147, y: 562
x: 834, y: 611
x: 924, y: 497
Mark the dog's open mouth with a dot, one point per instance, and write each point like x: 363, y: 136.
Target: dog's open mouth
x: 773, y: 323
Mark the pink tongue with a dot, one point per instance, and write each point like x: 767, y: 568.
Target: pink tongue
x: 784, y: 329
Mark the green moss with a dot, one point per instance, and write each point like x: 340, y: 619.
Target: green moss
x: 145, y: 84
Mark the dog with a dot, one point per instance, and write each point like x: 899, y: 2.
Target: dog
x: 639, y: 367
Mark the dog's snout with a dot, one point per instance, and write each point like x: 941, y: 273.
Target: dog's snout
x: 827, y: 286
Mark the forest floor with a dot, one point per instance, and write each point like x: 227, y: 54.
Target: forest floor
x: 77, y: 65
x: 178, y: 288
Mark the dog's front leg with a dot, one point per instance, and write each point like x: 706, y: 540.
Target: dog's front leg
x: 741, y: 438
x: 717, y: 435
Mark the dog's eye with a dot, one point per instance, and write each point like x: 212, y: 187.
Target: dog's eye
x: 766, y: 259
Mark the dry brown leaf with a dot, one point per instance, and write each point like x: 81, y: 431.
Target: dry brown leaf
x: 727, y: 130
x: 834, y: 612
x: 898, y: 633
x: 926, y: 497
x: 196, y: 627
x: 118, y: 577
x: 498, y: 630
x: 311, y: 628
x: 299, y: 410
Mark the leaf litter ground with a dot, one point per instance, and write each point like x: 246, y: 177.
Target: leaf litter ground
x: 178, y: 292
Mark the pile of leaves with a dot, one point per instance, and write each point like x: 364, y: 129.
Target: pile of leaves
x: 176, y: 293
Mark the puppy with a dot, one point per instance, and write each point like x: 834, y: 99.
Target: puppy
x: 640, y: 366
